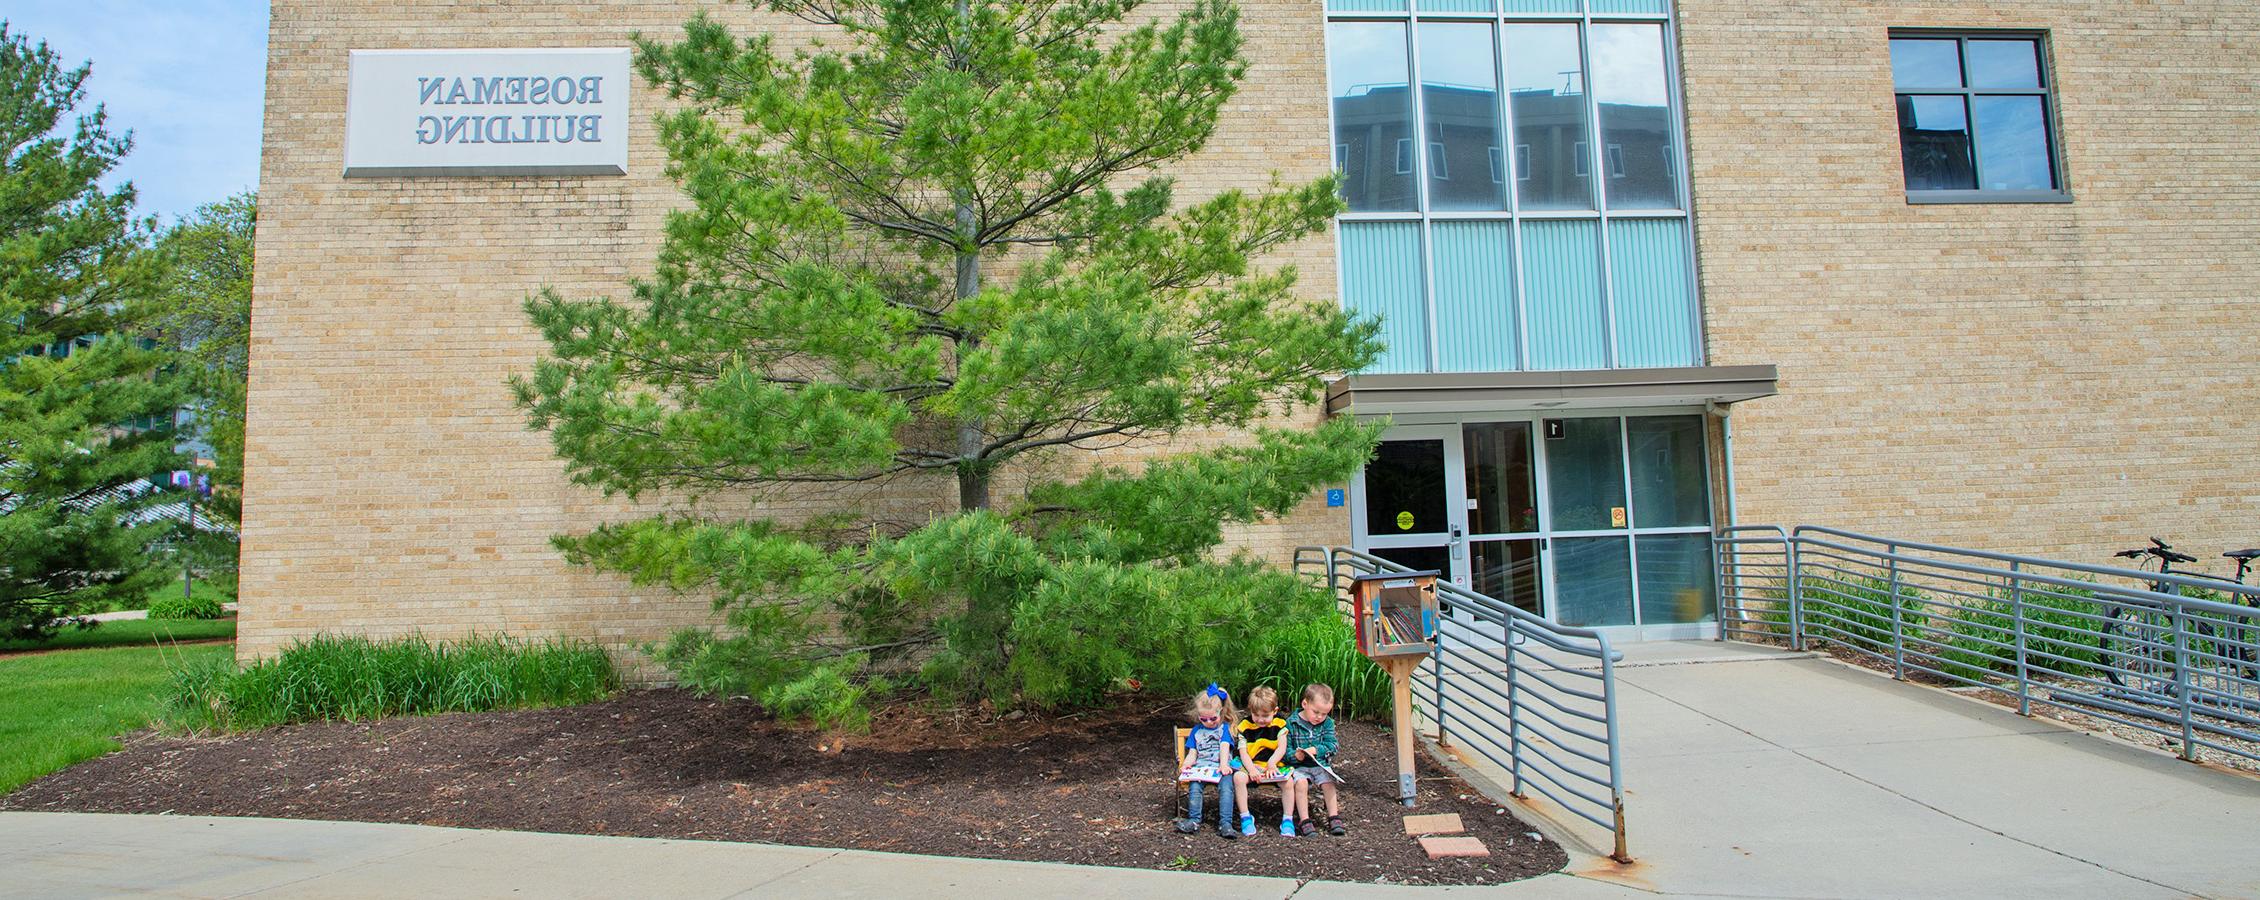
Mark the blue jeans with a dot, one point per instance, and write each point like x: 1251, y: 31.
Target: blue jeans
x: 1225, y: 810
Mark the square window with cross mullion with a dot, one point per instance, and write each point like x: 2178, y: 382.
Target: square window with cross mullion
x: 1975, y: 117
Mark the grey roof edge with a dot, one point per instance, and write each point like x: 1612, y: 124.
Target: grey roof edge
x: 1738, y: 383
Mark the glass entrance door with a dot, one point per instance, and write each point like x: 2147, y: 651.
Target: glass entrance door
x: 1504, y: 541
x: 1593, y: 520
x: 1401, y: 509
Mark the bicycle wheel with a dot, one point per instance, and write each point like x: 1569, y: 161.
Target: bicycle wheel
x: 2230, y: 652
x: 2137, y: 650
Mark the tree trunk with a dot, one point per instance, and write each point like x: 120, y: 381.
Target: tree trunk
x: 972, y: 487
x: 972, y: 470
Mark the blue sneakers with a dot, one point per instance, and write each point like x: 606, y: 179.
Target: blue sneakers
x: 1247, y: 824
x: 1286, y: 827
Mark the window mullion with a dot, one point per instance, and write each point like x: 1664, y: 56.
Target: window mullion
x: 1977, y: 146
x: 1599, y: 184
x: 1415, y: 85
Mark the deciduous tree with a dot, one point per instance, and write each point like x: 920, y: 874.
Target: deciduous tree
x: 205, y: 312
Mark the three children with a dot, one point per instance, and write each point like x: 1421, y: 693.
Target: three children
x: 1295, y: 753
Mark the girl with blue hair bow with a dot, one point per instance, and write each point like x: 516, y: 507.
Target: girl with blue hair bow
x: 1205, y: 759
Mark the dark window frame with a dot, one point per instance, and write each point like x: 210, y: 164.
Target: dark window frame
x: 2046, y: 92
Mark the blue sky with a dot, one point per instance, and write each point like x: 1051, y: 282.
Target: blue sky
x: 187, y: 77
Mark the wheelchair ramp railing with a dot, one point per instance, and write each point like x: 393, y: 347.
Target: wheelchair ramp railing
x: 2095, y: 641
x: 1535, y: 698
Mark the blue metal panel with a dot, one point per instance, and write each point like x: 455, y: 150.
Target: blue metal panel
x: 1470, y: 6
x: 1542, y: 6
x: 1475, y: 311
x: 1353, y: 6
x: 1561, y: 283
x: 1638, y: 7
x: 1381, y: 276
x: 1655, y: 293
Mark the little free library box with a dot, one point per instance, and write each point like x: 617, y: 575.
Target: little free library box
x: 1396, y: 627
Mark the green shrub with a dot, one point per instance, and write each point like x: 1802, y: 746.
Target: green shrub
x: 1096, y: 625
x: 201, y: 606
x: 828, y: 696
x: 999, y: 619
x: 354, y: 678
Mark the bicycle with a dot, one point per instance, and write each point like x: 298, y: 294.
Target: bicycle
x: 2140, y: 636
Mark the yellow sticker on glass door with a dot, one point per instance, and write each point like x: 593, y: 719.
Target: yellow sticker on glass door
x: 1405, y: 521
x: 1616, y: 517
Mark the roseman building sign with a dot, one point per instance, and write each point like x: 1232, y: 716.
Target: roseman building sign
x: 487, y: 112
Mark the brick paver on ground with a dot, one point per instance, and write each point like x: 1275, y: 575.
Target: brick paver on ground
x: 1442, y: 847
x: 1442, y: 823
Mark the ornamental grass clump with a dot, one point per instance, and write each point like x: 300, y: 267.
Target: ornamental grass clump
x: 355, y: 678
x: 1323, y: 650
x: 1856, y: 610
x: 2063, y: 632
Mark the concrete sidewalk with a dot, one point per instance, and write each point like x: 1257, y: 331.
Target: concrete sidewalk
x: 63, y: 855
x: 1756, y: 772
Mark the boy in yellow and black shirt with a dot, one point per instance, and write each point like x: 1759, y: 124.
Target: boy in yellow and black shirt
x: 1261, y: 752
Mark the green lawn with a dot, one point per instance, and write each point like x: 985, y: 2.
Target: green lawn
x: 59, y: 708
x: 205, y: 587
x: 128, y: 633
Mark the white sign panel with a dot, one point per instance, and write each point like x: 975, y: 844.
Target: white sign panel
x: 487, y: 112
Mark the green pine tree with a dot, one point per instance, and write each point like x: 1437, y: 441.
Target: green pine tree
x: 942, y: 244
x: 85, y: 408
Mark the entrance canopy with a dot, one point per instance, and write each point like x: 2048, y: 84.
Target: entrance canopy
x: 1366, y: 395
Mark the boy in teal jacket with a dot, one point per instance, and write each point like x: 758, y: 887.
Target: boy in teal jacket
x: 1310, y: 760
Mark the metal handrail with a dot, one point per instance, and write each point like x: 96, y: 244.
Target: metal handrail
x: 2099, y: 641
x: 2142, y: 576
x: 1517, y: 709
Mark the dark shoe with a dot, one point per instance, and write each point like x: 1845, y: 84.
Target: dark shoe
x: 1306, y: 826
x: 1228, y: 832
x: 1187, y: 826
x: 1334, y: 826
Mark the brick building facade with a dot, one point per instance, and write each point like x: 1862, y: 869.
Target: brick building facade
x: 2059, y: 375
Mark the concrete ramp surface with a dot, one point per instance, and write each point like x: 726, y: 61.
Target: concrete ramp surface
x: 1753, y: 772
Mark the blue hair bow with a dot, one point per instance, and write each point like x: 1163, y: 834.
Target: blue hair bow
x: 1218, y: 692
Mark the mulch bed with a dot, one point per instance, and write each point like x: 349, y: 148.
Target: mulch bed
x: 1093, y: 788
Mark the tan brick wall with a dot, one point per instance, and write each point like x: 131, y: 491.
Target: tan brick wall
x: 2003, y: 376
x: 392, y: 486
x: 2058, y: 379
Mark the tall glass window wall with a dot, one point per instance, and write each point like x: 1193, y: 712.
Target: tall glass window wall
x: 1525, y: 207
